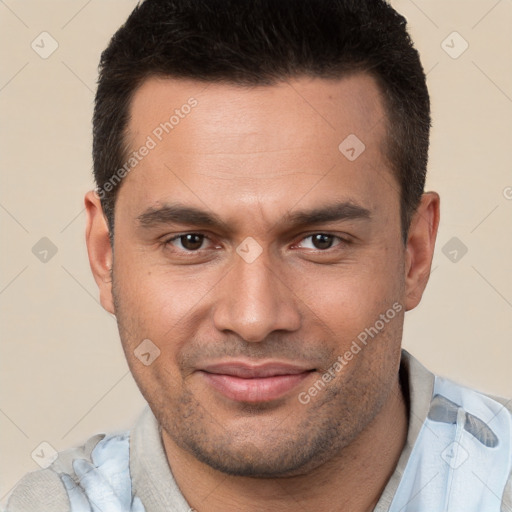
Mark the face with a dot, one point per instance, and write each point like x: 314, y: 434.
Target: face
x: 255, y: 254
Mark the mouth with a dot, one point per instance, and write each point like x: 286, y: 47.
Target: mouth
x: 243, y: 382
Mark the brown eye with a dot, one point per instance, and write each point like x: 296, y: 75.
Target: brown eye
x: 189, y: 242
x: 322, y: 241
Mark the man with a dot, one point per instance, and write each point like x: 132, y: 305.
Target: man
x: 259, y: 229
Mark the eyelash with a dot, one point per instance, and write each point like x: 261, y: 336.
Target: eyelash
x: 341, y: 241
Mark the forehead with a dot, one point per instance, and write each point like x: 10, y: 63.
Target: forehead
x: 255, y: 144
x: 329, y: 109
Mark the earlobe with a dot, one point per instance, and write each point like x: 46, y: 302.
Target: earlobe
x: 99, y: 249
x: 420, y: 248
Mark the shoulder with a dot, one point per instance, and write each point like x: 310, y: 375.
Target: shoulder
x: 507, y: 495
x: 505, y: 402
x: 483, y: 426
x: 39, y: 490
x: 44, y: 489
x: 460, y: 450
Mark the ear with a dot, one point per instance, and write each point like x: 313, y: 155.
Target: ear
x: 99, y: 249
x: 420, y: 248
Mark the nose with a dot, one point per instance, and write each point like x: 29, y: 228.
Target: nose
x: 255, y: 301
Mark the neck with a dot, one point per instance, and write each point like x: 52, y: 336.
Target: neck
x: 351, y: 480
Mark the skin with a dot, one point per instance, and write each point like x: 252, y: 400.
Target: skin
x: 254, y: 156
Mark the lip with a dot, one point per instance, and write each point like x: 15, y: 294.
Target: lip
x: 240, y: 381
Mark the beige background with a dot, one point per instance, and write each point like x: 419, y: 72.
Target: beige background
x: 63, y: 373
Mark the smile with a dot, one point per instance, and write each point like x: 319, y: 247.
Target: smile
x: 246, y: 383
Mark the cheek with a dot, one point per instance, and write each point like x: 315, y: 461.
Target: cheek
x: 159, y: 302
x: 355, y: 294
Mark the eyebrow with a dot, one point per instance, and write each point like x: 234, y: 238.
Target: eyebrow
x: 179, y: 214
x: 329, y: 213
